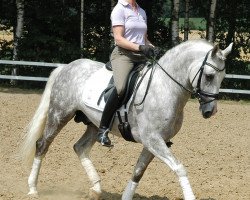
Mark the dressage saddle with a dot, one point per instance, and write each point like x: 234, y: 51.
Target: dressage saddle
x: 124, y: 126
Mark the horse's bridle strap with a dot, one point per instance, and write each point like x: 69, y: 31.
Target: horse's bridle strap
x: 215, y: 68
x: 197, y: 92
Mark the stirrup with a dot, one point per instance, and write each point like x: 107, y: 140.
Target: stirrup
x: 103, y: 137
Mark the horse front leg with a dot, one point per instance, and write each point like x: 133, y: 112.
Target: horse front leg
x: 143, y: 161
x: 82, y: 149
x: 157, y: 146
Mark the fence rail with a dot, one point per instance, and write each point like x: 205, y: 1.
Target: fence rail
x: 44, y: 64
x: 38, y: 64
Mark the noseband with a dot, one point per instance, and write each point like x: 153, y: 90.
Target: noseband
x: 200, y: 94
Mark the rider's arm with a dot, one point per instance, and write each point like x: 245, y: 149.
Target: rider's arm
x: 120, y: 41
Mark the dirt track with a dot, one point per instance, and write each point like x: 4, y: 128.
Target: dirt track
x: 214, y: 151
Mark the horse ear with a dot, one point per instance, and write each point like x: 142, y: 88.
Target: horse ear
x: 215, y: 50
x: 221, y: 54
x: 227, y: 51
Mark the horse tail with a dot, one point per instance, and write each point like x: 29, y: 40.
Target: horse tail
x: 36, y: 127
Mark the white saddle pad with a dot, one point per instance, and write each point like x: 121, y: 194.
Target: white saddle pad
x: 95, y: 86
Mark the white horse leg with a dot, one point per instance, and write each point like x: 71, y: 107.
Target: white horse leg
x: 52, y: 128
x: 32, y: 181
x: 157, y: 146
x: 143, y: 161
x: 82, y: 149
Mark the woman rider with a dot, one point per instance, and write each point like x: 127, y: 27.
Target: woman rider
x: 129, y: 24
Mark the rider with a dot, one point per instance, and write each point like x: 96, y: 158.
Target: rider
x: 129, y: 24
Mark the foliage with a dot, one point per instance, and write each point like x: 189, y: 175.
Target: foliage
x: 52, y: 30
x: 194, y: 23
x: 232, y: 25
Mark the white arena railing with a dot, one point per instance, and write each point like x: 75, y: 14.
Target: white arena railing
x: 53, y: 65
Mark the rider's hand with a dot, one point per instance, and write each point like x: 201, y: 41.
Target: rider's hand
x: 147, y: 50
x: 157, y: 52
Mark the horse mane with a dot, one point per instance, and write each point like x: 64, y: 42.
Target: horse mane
x: 192, y: 47
x: 196, y: 44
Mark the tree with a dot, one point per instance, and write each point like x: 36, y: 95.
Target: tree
x: 211, y: 21
x: 112, y: 5
x: 232, y: 25
x: 186, y: 21
x: 231, y: 21
x: 52, y: 31
x: 175, y: 22
x: 82, y: 27
x: 18, y: 34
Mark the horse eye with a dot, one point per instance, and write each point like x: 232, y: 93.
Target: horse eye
x: 209, y: 77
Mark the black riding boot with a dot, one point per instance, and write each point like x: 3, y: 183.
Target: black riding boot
x: 108, y: 112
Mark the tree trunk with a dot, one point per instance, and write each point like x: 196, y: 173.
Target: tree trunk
x: 233, y: 4
x: 175, y: 22
x: 186, y: 21
x: 82, y: 28
x: 211, y: 21
x: 113, y: 3
x: 17, y: 36
x: 107, y: 25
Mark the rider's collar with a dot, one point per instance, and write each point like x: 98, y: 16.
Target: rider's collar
x: 125, y: 3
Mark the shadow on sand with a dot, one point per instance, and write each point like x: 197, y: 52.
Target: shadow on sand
x: 75, y: 195
x: 116, y: 196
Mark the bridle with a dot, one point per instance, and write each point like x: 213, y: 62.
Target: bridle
x: 197, y: 92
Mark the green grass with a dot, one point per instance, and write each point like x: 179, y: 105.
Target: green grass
x: 194, y: 23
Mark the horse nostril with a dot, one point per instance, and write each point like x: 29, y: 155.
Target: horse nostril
x: 207, y: 114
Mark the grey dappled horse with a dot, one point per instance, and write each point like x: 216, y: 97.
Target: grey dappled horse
x: 193, y: 66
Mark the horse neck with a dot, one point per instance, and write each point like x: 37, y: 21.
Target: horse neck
x: 178, y: 68
x: 181, y: 60
x: 177, y: 63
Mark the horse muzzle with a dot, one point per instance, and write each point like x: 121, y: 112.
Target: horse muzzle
x: 208, y: 108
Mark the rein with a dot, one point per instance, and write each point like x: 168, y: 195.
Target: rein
x: 139, y: 83
x: 197, y: 92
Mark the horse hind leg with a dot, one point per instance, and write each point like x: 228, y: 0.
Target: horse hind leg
x: 143, y: 161
x: 82, y: 148
x: 53, y: 126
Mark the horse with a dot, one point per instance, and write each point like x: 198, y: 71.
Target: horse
x: 155, y: 114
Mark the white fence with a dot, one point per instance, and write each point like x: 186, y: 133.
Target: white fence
x: 27, y: 78
x: 43, y: 64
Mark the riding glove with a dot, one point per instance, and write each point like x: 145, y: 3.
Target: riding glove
x: 147, y: 50
x: 157, y: 52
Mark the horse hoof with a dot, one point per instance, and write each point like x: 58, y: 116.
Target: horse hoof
x: 94, y: 195
x: 33, y: 192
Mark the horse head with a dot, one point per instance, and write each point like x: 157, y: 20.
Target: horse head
x: 207, y: 79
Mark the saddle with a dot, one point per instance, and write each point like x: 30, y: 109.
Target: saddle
x: 132, y: 79
x: 123, y: 126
